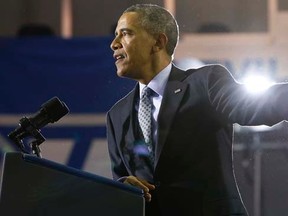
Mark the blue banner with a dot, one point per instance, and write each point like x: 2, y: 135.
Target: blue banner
x: 80, y: 71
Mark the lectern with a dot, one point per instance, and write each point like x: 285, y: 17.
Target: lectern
x: 33, y: 186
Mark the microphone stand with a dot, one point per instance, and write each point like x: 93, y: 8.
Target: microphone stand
x: 39, y: 138
x: 28, y: 129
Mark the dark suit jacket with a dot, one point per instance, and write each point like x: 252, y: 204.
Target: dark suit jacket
x: 193, y: 169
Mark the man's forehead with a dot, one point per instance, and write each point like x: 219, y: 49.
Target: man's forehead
x: 129, y: 18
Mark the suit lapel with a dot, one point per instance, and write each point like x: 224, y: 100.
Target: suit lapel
x: 127, y: 128
x: 174, y: 92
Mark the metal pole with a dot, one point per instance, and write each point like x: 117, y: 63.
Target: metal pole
x: 257, y: 176
x: 170, y: 5
x: 66, y: 19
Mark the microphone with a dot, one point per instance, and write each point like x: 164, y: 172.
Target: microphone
x: 50, y: 112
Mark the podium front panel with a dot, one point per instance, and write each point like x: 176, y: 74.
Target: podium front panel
x: 33, y: 186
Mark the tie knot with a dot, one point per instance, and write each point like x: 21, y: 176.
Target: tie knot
x: 146, y: 92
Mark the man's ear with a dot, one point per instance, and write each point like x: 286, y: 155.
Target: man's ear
x: 161, y: 42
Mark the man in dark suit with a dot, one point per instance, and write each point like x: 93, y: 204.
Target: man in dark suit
x: 188, y: 170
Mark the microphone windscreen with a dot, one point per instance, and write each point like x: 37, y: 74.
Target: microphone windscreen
x: 54, y: 109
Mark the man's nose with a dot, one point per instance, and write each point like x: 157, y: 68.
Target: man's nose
x: 115, y: 44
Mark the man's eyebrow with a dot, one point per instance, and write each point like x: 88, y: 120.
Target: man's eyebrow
x: 122, y: 30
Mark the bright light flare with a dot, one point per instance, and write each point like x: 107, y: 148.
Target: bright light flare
x: 257, y: 84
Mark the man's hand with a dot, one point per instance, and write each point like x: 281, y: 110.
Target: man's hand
x: 142, y: 184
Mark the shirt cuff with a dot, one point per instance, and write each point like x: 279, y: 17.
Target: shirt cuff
x: 122, y: 179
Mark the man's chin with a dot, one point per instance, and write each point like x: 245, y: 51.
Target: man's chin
x: 122, y: 73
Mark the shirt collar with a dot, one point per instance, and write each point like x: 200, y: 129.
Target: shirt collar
x: 158, y: 83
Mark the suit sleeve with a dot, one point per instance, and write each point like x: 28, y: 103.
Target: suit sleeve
x: 117, y: 166
x: 234, y: 103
